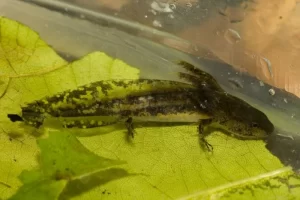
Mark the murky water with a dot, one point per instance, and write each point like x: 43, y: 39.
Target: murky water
x: 74, y: 37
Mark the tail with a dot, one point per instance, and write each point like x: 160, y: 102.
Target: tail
x: 33, y: 119
x: 15, y: 118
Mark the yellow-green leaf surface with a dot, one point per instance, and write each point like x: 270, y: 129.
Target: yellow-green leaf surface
x: 63, y: 160
x: 64, y: 157
x: 44, y: 189
x: 22, y: 52
x: 169, y: 159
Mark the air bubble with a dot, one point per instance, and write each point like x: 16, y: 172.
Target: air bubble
x: 157, y: 23
x: 196, y: 48
x: 161, y: 7
x: 173, y: 6
x: 171, y: 16
x: 261, y: 84
x: 266, y: 67
x: 272, y: 92
x: 189, y: 4
x: 153, y: 12
x: 232, y: 36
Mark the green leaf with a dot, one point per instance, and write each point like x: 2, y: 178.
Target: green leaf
x: 63, y: 160
x: 64, y: 157
x: 22, y: 54
x: 38, y: 188
x: 81, y: 186
x: 176, y: 167
x: 282, y: 183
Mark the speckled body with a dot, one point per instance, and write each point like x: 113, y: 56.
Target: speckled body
x: 153, y: 100
x: 141, y: 98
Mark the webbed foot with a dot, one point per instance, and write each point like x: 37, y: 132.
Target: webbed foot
x: 203, y: 143
x: 129, y: 126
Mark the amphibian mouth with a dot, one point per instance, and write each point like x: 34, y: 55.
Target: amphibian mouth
x: 202, y: 101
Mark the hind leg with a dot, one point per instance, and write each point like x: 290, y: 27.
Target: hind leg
x: 203, y: 143
x: 129, y: 126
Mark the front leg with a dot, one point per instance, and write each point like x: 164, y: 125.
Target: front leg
x: 129, y: 126
x: 202, y: 134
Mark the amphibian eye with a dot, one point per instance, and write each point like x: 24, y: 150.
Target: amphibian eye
x: 254, y: 124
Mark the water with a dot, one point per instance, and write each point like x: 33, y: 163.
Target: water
x: 167, y: 154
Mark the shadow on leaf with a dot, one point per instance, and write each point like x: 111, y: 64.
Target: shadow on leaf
x: 85, y: 184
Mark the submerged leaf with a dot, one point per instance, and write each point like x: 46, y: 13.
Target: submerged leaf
x: 41, y: 190
x: 85, y: 184
x: 279, y: 183
x: 22, y: 54
x: 64, y: 159
x: 35, y: 186
x: 176, y: 167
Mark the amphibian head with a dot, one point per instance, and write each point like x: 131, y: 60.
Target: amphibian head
x: 235, y: 115
x: 245, y: 121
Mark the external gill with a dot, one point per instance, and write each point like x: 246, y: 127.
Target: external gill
x: 231, y: 114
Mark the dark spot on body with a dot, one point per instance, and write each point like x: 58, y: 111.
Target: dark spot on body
x: 106, y: 192
x: 105, y: 87
x: 254, y: 124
